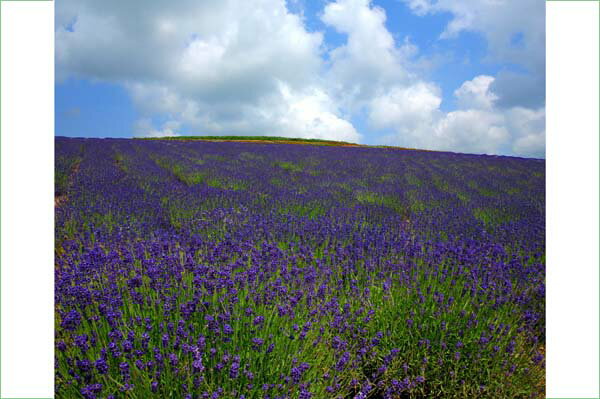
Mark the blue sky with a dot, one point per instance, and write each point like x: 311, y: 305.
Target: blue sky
x: 447, y: 74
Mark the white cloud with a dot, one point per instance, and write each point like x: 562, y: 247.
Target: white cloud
x: 371, y: 72
x: 407, y: 106
x: 313, y: 112
x: 532, y: 145
x: 529, y: 126
x: 419, y: 7
x: 478, y: 127
x: 369, y: 61
x: 216, y: 67
x: 144, y: 128
x: 476, y: 94
x: 473, y: 130
x: 309, y: 113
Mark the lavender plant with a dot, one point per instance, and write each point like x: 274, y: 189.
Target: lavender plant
x: 246, y: 270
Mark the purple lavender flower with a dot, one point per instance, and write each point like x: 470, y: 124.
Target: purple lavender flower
x: 234, y: 368
x: 124, y: 368
x: 90, y: 391
x: 101, y: 366
x: 71, y: 320
x: 257, y: 343
x: 61, y: 346
x: 197, y: 366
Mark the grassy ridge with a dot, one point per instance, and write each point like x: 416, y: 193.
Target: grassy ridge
x: 251, y: 138
x: 278, y: 140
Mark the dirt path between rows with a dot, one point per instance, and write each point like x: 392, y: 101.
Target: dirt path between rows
x: 60, y: 200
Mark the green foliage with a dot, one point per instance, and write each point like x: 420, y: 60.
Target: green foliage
x: 193, y: 177
x: 413, y: 180
x: 311, y: 210
x: 439, y: 183
x: 369, y: 197
x: 344, y: 186
x: 246, y: 138
x: 228, y: 184
x: 486, y: 192
x: 250, y: 156
x: 462, y: 196
x: 276, y: 181
x: 387, y: 178
x: 418, y: 206
x: 189, y: 178
x: 491, y: 217
x: 64, y: 170
x: 61, y: 181
x: 177, y: 212
x: 213, y: 157
x: 289, y: 166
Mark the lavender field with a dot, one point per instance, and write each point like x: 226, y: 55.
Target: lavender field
x: 243, y: 270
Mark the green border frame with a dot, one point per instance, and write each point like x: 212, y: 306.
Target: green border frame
x: 1, y: 1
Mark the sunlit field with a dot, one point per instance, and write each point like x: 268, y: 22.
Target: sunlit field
x: 195, y: 269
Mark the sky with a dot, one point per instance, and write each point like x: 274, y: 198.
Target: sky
x: 451, y: 75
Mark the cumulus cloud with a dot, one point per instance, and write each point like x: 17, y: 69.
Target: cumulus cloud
x: 245, y: 67
x: 530, y: 127
x: 144, y: 128
x: 407, y: 106
x: 476, y: 93
x: 479, y: 131
x: 313, y: 112
x: 478, y: 126
x: 372, y: 72
x: 369, y: 61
